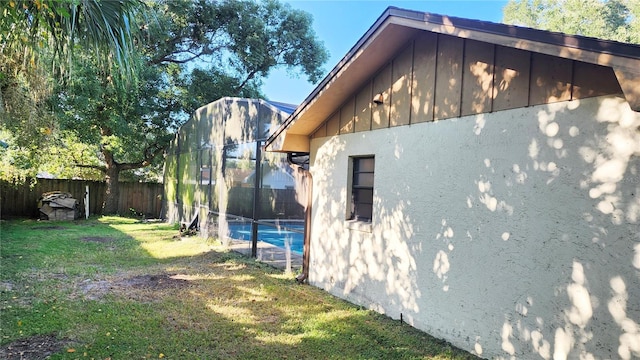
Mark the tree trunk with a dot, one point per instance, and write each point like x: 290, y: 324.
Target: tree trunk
x: 113, y: 168
x: 112, y: 192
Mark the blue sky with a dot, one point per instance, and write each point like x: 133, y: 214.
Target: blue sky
x: 339, y: 24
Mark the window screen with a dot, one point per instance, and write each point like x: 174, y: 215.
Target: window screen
x: 362, y: 189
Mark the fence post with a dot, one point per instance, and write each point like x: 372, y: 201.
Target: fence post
x: 86, y: 202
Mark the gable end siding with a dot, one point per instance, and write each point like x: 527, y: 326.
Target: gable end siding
x: 437, y: 77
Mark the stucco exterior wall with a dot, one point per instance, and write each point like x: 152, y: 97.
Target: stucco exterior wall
x: 509, y: 234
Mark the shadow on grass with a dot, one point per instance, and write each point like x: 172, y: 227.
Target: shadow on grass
x: 137, y: 297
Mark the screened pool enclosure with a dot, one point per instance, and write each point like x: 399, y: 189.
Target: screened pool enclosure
x: 220, y: 182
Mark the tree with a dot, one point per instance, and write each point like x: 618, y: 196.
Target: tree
x: 127, y: 121
x: 247, y: 37
x: 189, y: 54
x: 57, y: 26
x: 203, y: 86
x: 36, y: 42
x: 605, y: 19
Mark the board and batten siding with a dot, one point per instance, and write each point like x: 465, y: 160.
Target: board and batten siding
x: 436, y: 77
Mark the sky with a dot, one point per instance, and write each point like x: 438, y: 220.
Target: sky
x: 340, y: 24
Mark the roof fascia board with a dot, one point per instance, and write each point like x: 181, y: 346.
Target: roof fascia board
x: 366, y: 39
x: 574, y: 41
x: 344, y: 66
x: 630, y: 83
x: 565, y: 50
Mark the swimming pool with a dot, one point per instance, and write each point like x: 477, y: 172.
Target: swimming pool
x: 275, y: 234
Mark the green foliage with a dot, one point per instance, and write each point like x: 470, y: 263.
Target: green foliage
x: 187, y: 54
x: 131, y: 121
x: 252, y: 36
x: 127, y: 120
x: 37, y: 37
x: 605, y: 19
x: 236, y: 43
x: 25, y: 121
x: 207, y: 85
x: 16, y: 164
x: 267, y: 34
x: 106, y: 27
x: 58, y: 151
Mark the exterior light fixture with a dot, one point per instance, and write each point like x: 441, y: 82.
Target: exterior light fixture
x: 378, y: 98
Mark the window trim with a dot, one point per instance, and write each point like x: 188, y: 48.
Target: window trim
x: 354, y: 170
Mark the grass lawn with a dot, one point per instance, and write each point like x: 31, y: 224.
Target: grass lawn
x: 116, y: 288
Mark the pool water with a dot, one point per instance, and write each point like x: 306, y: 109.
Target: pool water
x: 272, y: 235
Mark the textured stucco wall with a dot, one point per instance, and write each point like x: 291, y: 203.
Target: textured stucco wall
x: 510, y: 234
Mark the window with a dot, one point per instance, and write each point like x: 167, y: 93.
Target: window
x: 205, y: 175
x: 362, y: 189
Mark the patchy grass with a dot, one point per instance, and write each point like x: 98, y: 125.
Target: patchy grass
x: 121, y: 289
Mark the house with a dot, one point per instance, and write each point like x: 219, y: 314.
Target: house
x: 479, y: 181
x: 209, y: 160
x: 273, y: 178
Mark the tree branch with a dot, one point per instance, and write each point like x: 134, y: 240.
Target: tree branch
x: 150, y: 154
x: 247, y: 79
x: 95, y: 167
x: 171, y: 58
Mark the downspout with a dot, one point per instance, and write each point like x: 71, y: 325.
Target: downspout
x: 302, y: 278
x: 306, y: 174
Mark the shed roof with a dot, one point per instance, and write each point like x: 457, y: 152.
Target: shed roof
x: 396, y: 26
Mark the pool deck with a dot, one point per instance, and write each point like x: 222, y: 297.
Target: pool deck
x: 269, y: 254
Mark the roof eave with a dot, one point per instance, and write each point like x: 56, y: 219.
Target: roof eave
x: 396, y: 26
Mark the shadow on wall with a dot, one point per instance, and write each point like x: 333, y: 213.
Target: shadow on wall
x: 597, y: 253
x: 505, y: 232
x: 502, y: 233
x: 370, y: 263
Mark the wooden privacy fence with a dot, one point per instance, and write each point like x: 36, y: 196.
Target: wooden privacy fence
x: 22, y: 200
